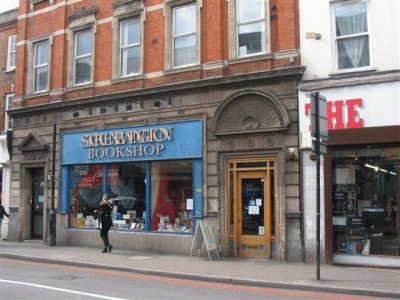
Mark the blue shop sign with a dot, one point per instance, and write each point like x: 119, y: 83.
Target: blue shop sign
x: 180, y: 140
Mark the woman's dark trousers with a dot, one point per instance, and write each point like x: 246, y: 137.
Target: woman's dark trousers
x: 104, y: 235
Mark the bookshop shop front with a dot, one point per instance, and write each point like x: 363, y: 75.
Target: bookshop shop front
x: 154, y: 174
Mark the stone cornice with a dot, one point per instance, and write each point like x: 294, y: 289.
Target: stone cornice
x: 293, y: 73
x: 350, y: 80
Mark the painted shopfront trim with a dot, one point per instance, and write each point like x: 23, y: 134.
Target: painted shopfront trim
x: 182, y: 140
x: 167, y: 141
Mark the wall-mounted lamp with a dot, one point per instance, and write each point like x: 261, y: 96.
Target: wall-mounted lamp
x: 158, y: 101
x: 103, y: 108
x: 313, y: 35
x: 76, y: 112
x: 129, y: 105
x: 291, y: 153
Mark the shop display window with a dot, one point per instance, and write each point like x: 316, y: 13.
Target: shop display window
x: 171, y: 187
x: 86, y: 193
x: 127, y: 184
x: 172, y: 196
x: 366, y: 198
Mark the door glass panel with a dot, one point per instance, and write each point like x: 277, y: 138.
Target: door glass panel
x: 272, y: 200
x: 37, y: 208
x: 38, y: 196
x: 232, y: 203
x: 252, y: 206
x: 254, y: 164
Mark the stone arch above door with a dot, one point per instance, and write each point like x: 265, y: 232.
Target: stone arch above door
x: 250, y: 111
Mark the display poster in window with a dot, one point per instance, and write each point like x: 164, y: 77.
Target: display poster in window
x: 261, y: 230
x: 355, y: 229
x: 339, y: 204
x: 254, y: 210
x: 189, y: 204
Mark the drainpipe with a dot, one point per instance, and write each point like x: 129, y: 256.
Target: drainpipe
x: 53, y: 182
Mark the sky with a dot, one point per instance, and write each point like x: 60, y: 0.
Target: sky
x: 8, y: 4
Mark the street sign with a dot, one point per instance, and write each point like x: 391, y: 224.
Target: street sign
x: 322, y: 146
x: 322, y: 116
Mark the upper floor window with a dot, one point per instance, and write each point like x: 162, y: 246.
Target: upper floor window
x: 8, y: 120
x: 12, y: 52
x: 130, y: 46
x: 184, y: 35
x: 352, y: 38
x: 83, y: 56
x: 182, y: 31
x: 41, y: 66
x: 250, y: 27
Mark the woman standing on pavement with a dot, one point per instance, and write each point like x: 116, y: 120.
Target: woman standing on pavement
x: 104, y: 213
x: 2, y: 212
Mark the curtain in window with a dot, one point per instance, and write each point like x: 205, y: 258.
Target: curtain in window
x: 185, y: 40
x: 165, y: 205
x: 350, y: 20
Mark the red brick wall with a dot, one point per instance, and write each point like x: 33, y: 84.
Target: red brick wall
x: 214, y: 44
x: 6, y: 78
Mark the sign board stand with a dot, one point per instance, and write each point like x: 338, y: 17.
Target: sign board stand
x: 204, y: 232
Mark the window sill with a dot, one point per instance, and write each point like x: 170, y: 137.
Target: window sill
x: 9, y: 70
x: 183, y: 69
x: 351, y: 71
x: 249, y: 58
x: 80, y: 86
x: 127, y: 78
x: 37, y: 94
x: 134, y: 230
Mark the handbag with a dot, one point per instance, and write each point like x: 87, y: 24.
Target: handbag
x: 98, y: 224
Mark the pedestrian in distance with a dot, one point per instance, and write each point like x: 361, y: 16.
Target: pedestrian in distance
x: 2, y: 213
x: 104, y: 215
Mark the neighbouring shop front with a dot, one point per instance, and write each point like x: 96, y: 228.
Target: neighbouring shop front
x: 362, y: 174
x: 153, y: 172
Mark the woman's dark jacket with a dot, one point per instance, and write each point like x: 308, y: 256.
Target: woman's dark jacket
x: 105, y: 213
x: 3, y: 212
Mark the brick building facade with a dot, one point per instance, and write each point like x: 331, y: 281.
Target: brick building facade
x: 187, y: 106
x: 8, y: 30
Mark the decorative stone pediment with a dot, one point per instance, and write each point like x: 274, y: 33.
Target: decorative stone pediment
x: 250, y: 112
x: 33, y: 142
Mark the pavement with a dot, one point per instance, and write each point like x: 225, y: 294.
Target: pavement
x: 363, y: 281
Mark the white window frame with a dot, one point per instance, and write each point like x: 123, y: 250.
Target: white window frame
x: 335, y: 39
x: 86, y: 55
x: 169, y: 33
x: 12, y: 52
x: 129, y: 46
x: 186, y: 34
x: 234, y: 31
x: 30, y: 80
x: 125, y: 11
x: 8, y: 121
x: 35, y: 66
x: 79, y: 23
